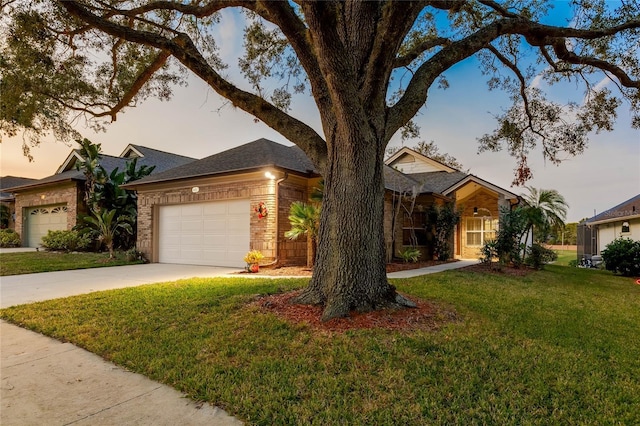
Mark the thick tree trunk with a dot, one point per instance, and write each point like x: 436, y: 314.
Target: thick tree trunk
x: 349, y: 272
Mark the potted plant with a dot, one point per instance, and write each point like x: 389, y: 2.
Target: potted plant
x: 252, y: 259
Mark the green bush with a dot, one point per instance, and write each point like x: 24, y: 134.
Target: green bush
x: 65, y: 241
x: 410, y: 254
x: 538, y: 255
x: 622, y: 256
x: 133, y: 255
x: 9, y: 238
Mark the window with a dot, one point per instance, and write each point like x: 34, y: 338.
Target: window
x: 480, y: 230
x: 625, y: 227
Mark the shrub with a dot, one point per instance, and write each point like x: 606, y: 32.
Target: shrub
x: 9, y: 238
x: 622, y: 256
x: 410, y: 254
x: 133, y: 255
x: 538, y: 255
x: 489, y: 251
x: 65, y: 241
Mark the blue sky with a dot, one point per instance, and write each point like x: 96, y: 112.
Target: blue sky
x: 192, y: 124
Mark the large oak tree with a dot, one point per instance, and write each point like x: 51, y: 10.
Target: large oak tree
x: 369, y: 66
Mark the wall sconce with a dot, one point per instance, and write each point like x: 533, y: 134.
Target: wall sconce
x: 42, y: 197
x: 195, y: 189
x: 269, y: 175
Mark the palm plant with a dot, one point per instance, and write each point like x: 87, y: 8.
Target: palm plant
x: 305, y: 220
x: 545, y: 209
x: 108, y: 226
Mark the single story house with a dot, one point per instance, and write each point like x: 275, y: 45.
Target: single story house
x: 54, y: 202
x: 8, y: 199
x: 621, y: 221
x: 214, y: 210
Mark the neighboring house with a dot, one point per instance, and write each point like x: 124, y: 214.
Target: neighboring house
x: 54, y: 202
x: 621, y: 221
x: 8, y: 199
x: 211, y: 212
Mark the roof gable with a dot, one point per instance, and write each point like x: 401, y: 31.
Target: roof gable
x: 472, y: 178
x: 409, y: 161
x: 149, y: 157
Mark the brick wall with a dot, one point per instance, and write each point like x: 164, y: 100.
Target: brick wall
x: 249, y: 186
x: 64, y: 193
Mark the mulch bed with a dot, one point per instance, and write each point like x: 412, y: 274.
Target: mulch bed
x: 426, y: 316
x: 302, y: 271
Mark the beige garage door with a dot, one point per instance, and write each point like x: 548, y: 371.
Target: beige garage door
x: 214, y: 233
x: 40, y: 220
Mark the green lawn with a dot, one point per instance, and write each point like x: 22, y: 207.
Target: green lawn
x: 566, y: 256
x: 558, y: 346
x: 42, y: 261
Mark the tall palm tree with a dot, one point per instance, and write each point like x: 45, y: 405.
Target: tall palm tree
x: 545, y: 209
x: 305, y: 220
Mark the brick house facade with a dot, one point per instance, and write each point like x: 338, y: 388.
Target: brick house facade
x: 239, y: 174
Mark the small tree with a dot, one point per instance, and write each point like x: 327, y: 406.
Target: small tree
x: 108, y: 226
x: 446, y: 219
x: 304, y: 219
x: 103, y: 190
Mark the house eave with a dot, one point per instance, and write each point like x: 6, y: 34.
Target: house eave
x: 266, y: 167
x: 613, y: 219
x: 22, y: 188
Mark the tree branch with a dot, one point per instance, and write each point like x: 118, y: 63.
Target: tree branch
x: 183, y: 49
x: 561, y: 51
x: 412, y: 55
x: 416, y: 93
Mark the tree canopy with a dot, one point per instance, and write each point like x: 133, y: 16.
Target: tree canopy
x: 369, y: 66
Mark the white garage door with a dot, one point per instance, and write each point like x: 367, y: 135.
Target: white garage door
x: 214, y: 233
x: 39, y: 220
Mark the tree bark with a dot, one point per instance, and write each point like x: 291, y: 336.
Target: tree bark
x: 349, y: 272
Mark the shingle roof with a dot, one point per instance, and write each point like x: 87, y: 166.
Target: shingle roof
x: 437, y: 182
x: 10, y: 182
x: 628, y: 208
x: 258, y: 154
x: 263, y: 153
x: 397, y: 181
x: 152, y: 157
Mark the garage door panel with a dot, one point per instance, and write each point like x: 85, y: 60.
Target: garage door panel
x: 214, y: 233
x: 192, y: 226
x: 40, y: 220
x: 215, y: 209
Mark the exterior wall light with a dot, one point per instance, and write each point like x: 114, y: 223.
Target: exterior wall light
x: 195, y: 189
x: 269, y: 175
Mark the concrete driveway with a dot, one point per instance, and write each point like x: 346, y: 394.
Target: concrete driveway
x: 45, y: 381
x: 20, y: 289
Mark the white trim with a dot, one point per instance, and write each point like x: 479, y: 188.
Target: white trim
x: 614, y: 219
x: 471, y: 178
x: 69, y: 162
x: 131, y: 148
x: 408, y: 151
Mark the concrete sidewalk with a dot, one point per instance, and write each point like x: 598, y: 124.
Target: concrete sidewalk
x: 410, y: 273
x: 46, y: 382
